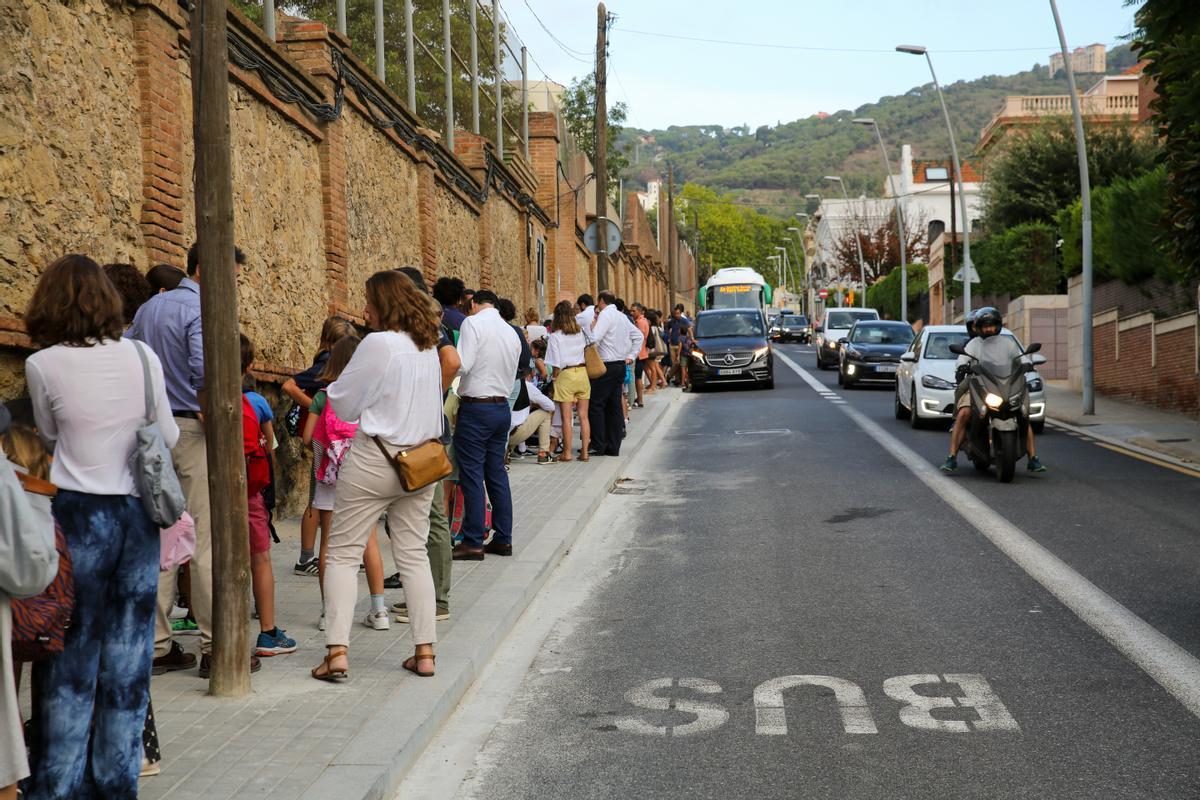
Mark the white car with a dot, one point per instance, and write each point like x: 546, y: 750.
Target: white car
x: 836, y: 324
x: 925, y: 379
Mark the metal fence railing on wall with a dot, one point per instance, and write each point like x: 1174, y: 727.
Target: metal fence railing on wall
x: 456, y: 63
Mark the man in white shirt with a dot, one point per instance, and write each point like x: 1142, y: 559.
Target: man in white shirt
x: 615, y: 337
x: 536, y: 415
x: 490, y: 350
x: 587, y: 312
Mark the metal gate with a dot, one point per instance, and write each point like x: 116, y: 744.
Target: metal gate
x: 1049, y: 326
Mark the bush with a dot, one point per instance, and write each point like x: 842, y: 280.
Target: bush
x: 884, y: 295
x: 1019, y: 260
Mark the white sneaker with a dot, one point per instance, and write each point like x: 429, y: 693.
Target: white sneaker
x: 321, y: 623
x: 379, y: 620
x: 177, y: 613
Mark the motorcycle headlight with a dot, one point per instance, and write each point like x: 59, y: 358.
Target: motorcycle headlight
x: 934, y: 382
x: 993, y: 401
x: 1036, y: 385
x: 761, y: 353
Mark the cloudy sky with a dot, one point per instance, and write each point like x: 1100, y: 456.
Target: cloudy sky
x: 800, y: 56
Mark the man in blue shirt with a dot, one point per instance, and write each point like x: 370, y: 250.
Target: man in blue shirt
x: 674, y: 333
x: 169, y: 323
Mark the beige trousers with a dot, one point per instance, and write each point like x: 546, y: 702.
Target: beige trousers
x: 191, y: 465
x: 366, y: 487
x: 539, y: 421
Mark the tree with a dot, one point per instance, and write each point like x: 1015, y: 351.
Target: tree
x: 1169, y: 36
x: 1036, y: 174
x: 1019, y: 260
x: 731, y: 234
x: 884, y: 295
x: 880, y: 243
x: 579, y: 115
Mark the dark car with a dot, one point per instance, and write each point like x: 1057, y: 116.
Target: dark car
x: 792, y: 328
x: 871, y: 351
x: 731, y: 347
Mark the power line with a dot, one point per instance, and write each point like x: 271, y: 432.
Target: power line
x: 775, y: 46
x: 570, y: 51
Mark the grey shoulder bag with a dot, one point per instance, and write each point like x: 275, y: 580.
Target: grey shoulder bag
x: 153, y: 471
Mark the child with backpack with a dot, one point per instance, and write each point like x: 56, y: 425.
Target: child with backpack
x: 330, y: 438
x: 257, y: 435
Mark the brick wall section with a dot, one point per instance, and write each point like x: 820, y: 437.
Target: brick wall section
x: 1177, y: 386
x: 1126, y: 367
x: 156, y: 34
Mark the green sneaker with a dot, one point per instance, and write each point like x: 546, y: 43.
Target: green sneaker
x: 950, y: 464
x: 185, y: 626
x: 1035, y: 465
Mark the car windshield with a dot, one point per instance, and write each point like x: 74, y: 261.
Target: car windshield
x: 937, y: 347
x: 866, y: 333
x: 710, y: 325
x: 841, y: 319
x: 794, y: 322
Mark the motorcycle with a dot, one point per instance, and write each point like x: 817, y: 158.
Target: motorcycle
x: 999, y: 426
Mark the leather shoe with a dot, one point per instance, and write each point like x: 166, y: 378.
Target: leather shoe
x: 393, y: 581
x: 174, y: 659
x: 206, y: 664
x: 497, y: 549
x: 463, y: 552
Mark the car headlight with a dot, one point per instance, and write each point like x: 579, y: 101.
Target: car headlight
x: 993, y: 401
x: 852, y: 353
x: 761, y: 353
x: 934, y: 382
x: 1035, y: 384
x: 831, y: 343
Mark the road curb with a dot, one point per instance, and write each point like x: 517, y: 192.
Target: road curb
x: 373, y: 763
x: 1122, y: 444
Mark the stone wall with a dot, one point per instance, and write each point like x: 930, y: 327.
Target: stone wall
x: 510, y: 266
x: 70, y: 148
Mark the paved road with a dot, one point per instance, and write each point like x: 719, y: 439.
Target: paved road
x: 799, y: 533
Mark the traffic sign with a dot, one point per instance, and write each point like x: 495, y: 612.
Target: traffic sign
x: 824, y: 293
x: 958, y: 276
x: 612, y: 239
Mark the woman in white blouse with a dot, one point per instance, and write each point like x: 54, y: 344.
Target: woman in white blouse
x: 564, y: 353
x: 87, y: 388
x: 393, y: 387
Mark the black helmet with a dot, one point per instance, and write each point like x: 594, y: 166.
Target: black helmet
x: 969, y: 321
x: 988, y: 316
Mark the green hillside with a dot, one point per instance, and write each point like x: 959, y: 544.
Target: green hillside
x: 774, y: 167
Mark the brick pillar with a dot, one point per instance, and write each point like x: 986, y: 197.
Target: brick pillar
x: 158, y: 60
x: 427, y: 217
x: 484, y: 226
x: 309, y: 43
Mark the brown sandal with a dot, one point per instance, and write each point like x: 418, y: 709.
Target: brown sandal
x: 325, y: 671
x: 411, y: 662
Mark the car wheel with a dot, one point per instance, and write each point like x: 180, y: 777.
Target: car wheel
x: 901, y: 411
x: 914, y: 418
x: 1039, y: 426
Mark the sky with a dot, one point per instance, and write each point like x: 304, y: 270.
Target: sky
x: 668, y: 81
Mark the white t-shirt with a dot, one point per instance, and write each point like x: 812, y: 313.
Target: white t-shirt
x: 565, y: 349
x: 489, y: 349
x: 88, y: 403
x: 393, y: 389
x: 534, y: 332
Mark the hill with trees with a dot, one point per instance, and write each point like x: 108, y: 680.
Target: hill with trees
x: 772, y: 168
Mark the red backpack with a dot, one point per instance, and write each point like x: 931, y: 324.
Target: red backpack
x: 258, y: 468
x: 40, y: 623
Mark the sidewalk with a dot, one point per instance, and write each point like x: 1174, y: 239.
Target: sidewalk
x: 1127, y: 424
x: 299, y: 738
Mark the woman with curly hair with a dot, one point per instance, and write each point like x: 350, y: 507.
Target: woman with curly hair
x: 133, y: 287
x: 393, y: 387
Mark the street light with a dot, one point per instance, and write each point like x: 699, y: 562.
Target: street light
x: 862, y: 266
x: 899, y: 216
x: 918, y: 50
x: 786, y: 266
x: 1085, y: 196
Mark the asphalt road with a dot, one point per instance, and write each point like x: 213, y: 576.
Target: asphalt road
x: 771, y: 534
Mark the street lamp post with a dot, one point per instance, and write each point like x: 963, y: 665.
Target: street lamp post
x: 783, y: 279
x: 798, y: 248
x: 862, y: 265
x: 1085, y: 196
x: 899, y: 217
x: 918, y: 50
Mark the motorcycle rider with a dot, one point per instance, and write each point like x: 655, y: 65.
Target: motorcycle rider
x: 986, y: 345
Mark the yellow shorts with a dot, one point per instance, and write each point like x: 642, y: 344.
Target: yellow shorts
x: 572, y: 384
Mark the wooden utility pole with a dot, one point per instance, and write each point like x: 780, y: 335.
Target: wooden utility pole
x: 601, y: 163
x: 668, y: 219
x: 230, y: 676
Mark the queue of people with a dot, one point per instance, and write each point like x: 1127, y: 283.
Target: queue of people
x: 406, y: 419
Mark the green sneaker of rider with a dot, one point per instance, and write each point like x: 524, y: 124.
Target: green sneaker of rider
x: 950, y: 464
x: 1036, y: 465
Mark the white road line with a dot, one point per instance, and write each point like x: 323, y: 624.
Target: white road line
x: 1174, y: 668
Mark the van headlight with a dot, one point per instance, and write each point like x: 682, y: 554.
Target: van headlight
x: 698, y: 354
x: 993, y: 401
x: 761, y: 353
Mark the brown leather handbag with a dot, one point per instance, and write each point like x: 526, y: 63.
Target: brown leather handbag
x: 419, y: 466
x: 591, y: 361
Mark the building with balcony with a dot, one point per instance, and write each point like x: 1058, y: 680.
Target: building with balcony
x: 1092, y: 58
x: 1113, y: 100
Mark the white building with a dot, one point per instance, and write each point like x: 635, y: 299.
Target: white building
x: 836, y: 218
x: 925, y: 189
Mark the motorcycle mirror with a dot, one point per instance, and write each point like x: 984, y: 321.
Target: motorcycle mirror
x: 958, y: 349
x: 1033, y: 348
x: 1038, y: 360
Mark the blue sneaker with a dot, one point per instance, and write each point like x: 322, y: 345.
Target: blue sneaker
x: 273, y: 643
x: 950, y: 464
x: 1035, y: 465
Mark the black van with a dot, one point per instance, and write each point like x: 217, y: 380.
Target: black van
x: 731, y: 347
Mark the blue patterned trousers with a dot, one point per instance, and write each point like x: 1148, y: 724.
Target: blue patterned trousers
x: 91, y: 700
